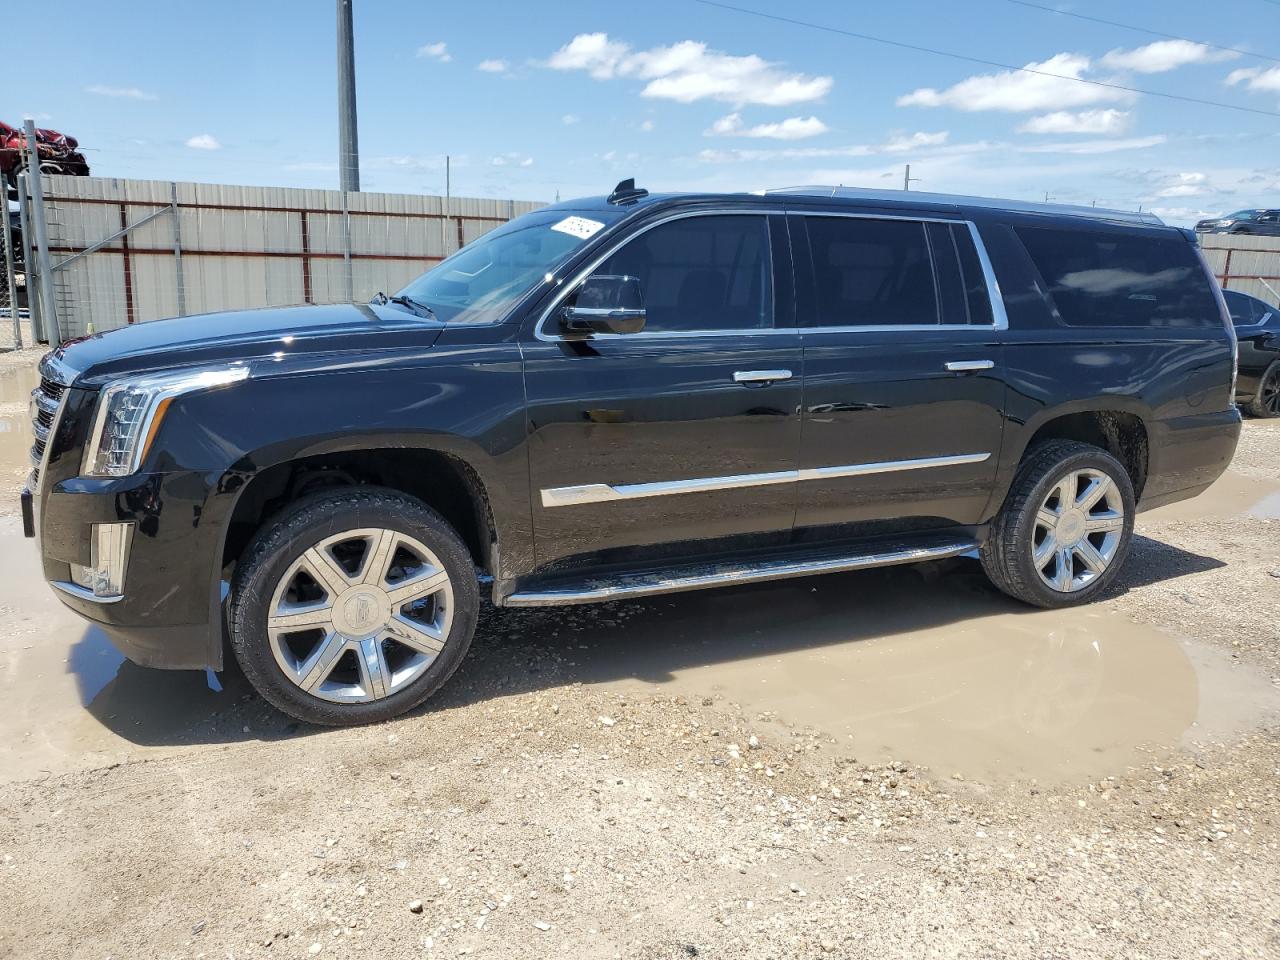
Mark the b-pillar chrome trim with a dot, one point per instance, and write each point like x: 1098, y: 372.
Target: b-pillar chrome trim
x: 604, y: 492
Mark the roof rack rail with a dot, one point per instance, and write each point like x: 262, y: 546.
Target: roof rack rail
x: 957, y: 201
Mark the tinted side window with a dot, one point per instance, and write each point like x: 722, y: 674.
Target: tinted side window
x: 871, y: 272
x: 701, y: 273
x: 961, y: 283
x: 1114, y: 279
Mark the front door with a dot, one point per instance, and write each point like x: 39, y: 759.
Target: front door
x: 681, y: 439
x: 904, y: 384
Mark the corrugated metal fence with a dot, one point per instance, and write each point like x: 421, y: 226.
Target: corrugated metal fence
x: 127, y: 251
x: 202, y: 247
x: 1246, y: 263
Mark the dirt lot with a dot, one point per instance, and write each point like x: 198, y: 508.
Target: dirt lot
x: 899, y: 763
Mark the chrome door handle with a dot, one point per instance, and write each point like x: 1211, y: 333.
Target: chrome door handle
x: 966, y: 366
x: 760, y: 376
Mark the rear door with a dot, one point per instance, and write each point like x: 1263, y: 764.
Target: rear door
x: 904, y: 387
x: 680, y: 439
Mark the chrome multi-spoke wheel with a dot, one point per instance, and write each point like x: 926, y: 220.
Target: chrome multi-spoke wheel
x: 353, y: 605
x: 360, y: 615
x: 1077, y: 530
x: 1065, y: 526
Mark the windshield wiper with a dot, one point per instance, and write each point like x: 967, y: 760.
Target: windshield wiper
x: 414, y: 306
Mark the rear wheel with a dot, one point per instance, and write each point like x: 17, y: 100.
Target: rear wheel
x: 1266, y: 403
x: 353, y: 607
x: 1065, y: 528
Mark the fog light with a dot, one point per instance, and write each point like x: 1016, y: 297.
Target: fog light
x: 109, y: 555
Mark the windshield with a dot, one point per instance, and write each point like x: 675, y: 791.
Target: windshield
x: 1240, y: 215
x: 481, y: 282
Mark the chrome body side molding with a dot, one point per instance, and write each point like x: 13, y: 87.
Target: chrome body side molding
x: 604, y: 492
x: 698, y: 577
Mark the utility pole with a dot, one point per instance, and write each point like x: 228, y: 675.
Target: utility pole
x: 348, y: 141
x: 42, y: 235
x: 908, y: 179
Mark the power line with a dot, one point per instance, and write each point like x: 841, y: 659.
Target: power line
x: 986, y: 63
x: 1154, y: 33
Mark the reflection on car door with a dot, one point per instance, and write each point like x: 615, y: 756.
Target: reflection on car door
x: 682, y: 438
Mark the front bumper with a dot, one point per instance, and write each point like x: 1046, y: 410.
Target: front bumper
x: 169, y: 615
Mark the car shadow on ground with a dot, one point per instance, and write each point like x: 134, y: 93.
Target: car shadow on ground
x: 521, y: 651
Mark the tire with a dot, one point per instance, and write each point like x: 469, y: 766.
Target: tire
x: 1018, y: 534
x: 1266, y: 402
x: 353, y: 606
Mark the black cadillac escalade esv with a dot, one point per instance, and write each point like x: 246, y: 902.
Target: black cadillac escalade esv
x: 625, y: 396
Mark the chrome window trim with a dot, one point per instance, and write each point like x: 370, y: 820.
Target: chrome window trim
x: 539, y: 330
x: 607, y: 493
x: 1000, y: 318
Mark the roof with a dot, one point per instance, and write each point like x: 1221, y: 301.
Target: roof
x: 956, y: 201
x: 953, y: 203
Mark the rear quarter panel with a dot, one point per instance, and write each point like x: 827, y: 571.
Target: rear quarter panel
x: 1176, y: 380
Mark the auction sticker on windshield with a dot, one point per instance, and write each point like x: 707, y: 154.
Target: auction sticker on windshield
x: 579, y: 227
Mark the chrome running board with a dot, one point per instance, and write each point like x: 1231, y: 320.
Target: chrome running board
x: 701, y: 576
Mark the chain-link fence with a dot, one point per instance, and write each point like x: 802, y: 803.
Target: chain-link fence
x: 129, y: 251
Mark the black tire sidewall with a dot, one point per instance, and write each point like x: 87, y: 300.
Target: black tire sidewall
x: 300, y: 527
x: 1255, y: 406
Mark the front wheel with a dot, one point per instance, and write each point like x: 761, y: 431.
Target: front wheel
x: 1267, y: 401
x: 1065, y: 528
x: 353, y: 606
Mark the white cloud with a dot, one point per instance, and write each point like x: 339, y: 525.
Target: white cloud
x: 130, y: 93
x: 793, y: 128
x: 1255, y: 78
x: 1164, y: 55
x: 896, y: 144
x: 569, y: 119
x: 647, y: 126
x: 511, y: 160
x: 492, y: 66
x: 688, y: 71
x: 1192, y: 184
x: 204, y: 141
x: 1087, y: 121
x: 435, y: 51
x: 1088, y: 147
x: 1015, y: 91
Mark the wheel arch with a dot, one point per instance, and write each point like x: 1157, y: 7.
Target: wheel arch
x: 1117, y: 427
x: 443, y: 479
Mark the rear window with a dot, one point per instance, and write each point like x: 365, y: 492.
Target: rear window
x: 1114, y: 279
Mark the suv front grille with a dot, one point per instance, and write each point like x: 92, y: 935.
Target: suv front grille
x: 45, y: 400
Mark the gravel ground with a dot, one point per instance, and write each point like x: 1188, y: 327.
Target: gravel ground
x: 533, y: 812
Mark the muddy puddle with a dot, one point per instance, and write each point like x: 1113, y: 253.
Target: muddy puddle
x: 16, y: 384
x: 1232, y: 495
x: 942, y: 673
x: 70, y: 700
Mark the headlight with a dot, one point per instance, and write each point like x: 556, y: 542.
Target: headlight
x: 130, y: 412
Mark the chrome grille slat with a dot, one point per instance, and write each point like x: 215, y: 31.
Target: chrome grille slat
x: 47, y: 400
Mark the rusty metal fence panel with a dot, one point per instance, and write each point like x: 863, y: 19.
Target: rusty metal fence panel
x: 1244, y: 262
x: 209, y: 247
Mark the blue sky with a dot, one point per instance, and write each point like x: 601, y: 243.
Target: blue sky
x: 535, y: 99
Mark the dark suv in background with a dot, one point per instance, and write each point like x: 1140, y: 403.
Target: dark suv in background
x: 625, y: 396
x: 1264, y: 222
x: 1257, y: 326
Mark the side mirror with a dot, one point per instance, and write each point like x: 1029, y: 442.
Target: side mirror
x: 606, y: 303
